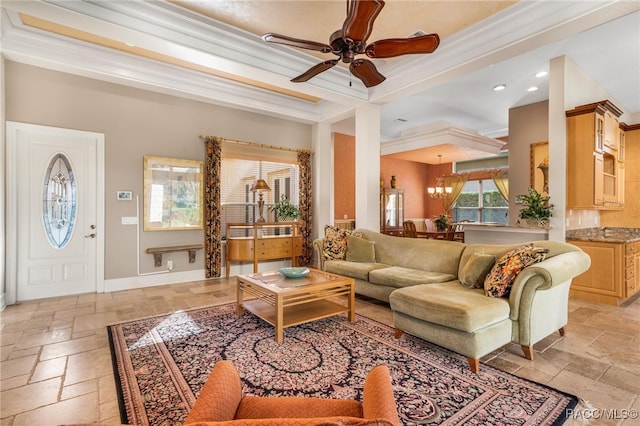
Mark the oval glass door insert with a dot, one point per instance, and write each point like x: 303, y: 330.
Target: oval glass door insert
x: 59, y: 201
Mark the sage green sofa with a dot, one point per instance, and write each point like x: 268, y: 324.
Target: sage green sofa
x: 420, y: 280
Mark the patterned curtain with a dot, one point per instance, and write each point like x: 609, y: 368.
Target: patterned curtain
x: 212, y: 208
x: 304, y: 163
x: 456, y: 183
x: 501, y: 179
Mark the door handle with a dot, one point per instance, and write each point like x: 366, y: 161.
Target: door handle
x: 90, y: 236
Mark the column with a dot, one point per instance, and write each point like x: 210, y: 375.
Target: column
x: 322, y: 175
x: 368, y: 167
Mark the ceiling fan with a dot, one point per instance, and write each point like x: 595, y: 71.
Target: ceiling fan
x: 351, y: 40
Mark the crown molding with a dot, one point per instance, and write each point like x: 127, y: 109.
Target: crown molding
x: 441, y: 133
x: 169, y: 29
x: 73, y: 57
x: 524, y: 26
x: 166, y: 28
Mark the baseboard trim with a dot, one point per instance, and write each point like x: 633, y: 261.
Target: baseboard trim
x: 164, y: 278
x: 143, y: 281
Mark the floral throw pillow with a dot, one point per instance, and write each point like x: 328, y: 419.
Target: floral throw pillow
x: 499, y: 281
x: 335, y: 242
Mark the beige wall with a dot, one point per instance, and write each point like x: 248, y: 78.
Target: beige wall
x: 136, y: 123
x: 3, y: 285
x: 527, y: 124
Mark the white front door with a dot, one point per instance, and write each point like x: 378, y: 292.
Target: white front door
x: 53, y: 211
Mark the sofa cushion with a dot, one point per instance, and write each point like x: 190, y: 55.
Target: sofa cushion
x: 359, y: 270
x: 450, y: 305
x: 360, y: 250
x: 398, y: 277
x: 499, y: 281
x: 417, y: 253
x: 476, y: 270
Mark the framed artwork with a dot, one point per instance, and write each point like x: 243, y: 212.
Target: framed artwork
x: 124, y: 195
x: 172, y: 194
x: 540, y: 167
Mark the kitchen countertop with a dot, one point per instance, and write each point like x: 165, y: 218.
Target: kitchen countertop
x: 605, y: 235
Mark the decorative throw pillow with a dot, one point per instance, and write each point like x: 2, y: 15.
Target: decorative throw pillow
x: 335, y: 243
x: 476, y: 269
x: 360, y: 250
x: 499, y: 281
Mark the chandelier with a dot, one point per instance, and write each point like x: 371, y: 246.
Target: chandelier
x: 440, y: 190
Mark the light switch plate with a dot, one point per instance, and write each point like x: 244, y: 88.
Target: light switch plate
x: 130, y: 220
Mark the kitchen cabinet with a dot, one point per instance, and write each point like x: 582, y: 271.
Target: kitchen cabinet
x: 630, y: 186
x: 614, y: 273
x: 253, y: 242
x: 595, y: 157
x: 391, y: 210
x: 611, y: 130
x: 632, y: 268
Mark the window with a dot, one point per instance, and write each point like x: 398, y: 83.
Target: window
x: 239, y: 204
x: 480, y: 201
x: 59, y: 201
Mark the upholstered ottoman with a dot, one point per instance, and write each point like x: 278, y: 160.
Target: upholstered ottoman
x: 450, y: 315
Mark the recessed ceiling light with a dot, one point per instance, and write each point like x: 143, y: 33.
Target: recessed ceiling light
x: 499, y: 87
x: 532, y: 89
x: 541, y: 74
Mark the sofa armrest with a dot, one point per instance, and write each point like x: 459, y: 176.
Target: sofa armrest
x: 220, y: 396
x: 378, y: 401
x: 540, y: 293
x: 544, y: 275
x: 317, y: 247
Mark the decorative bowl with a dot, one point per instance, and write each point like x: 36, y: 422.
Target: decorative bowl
x: 294, y: 272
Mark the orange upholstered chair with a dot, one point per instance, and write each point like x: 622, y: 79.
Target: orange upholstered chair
x: 221, y: 403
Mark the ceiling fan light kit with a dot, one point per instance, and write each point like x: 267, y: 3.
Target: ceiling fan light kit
x: 351, y: 40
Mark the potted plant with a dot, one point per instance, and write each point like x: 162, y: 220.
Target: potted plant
x: 536, y: 209
x: 284, y: 210
x: 442, y: 222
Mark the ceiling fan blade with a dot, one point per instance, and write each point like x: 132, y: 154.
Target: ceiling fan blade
x: 359, y: 23
x: 315, y: 70
x: 290, y: 41
x: 391, y: 47
x: 366, y: 71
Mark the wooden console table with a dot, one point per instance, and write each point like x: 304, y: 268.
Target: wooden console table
x: 253, y: 242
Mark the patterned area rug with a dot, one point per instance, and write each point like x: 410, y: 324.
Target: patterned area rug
x: 161, y: 363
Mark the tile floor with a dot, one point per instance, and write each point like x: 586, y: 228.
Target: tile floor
x: 55, y: 364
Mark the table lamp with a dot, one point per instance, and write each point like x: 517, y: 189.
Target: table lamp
x: 260, y: 185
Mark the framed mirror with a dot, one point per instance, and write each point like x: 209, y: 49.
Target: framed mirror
x: 172, y: 194
x: 539, y: 167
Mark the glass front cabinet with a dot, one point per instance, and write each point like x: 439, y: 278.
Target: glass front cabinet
x: 391, y: 210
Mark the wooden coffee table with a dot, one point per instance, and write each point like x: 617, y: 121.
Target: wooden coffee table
x: 284, y: 302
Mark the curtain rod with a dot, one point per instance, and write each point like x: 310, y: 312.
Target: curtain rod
x: 257, y: 145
